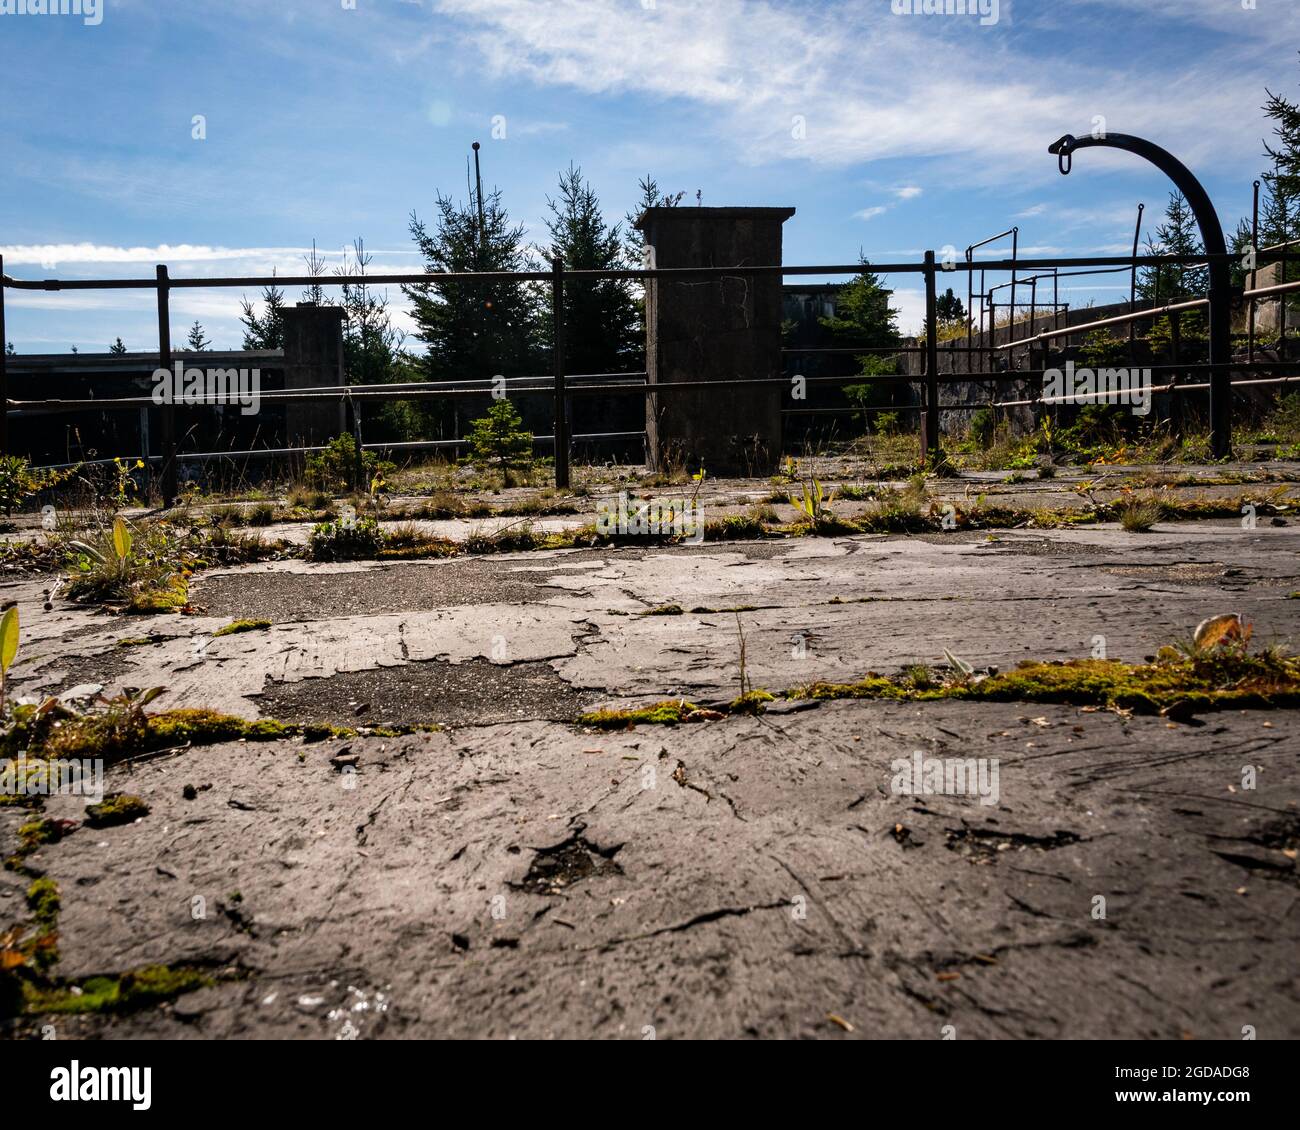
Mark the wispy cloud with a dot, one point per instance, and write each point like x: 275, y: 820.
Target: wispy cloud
x: 867, y: 85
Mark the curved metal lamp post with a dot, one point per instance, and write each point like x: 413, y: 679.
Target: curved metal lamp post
x: 1220, y: 278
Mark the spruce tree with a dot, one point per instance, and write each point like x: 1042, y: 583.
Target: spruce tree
x: 198, y: 339
x: 474, y: 330
x: 1176, y: 235
x: 600, y: 315
x: 264, y: 330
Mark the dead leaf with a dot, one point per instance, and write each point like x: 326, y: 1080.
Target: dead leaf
x: 1220, y: 629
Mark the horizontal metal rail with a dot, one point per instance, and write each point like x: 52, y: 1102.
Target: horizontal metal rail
x: 1138, y: 315
x: 286, y: 452
x: 666, y: 273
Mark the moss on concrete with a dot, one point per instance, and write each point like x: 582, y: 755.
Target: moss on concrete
x: 237, y: 626
x: 114, y: 809
x: 125, y: 992
x: 669, y: 713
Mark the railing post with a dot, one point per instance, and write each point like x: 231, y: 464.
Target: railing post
x: 930, y: 415
x: 4, y: 369
x: 169, y: 484
x: 557, y: 355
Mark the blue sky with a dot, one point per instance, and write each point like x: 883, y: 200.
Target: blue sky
x: 328, y: 121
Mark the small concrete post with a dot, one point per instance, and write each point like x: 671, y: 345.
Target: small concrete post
x: 313, y: 358
x: 714, y: 329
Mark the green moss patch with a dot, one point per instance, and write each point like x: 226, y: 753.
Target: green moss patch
x: 237, y: 626
x: 669, y: 713
x: 127, y: 992
x: 171, y: 597
x: 1177, y: 683
x: 1214, y: 681
x: 752, y: 702
x: 115, y: 809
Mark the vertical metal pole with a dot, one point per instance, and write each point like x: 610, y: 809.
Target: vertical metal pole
x: 169, y: 483
x: 1176, y: 353
x: 1011, y: 310
x: 930, y: 415
x: 970, y: 310
x: 1254, y: 247
x: 1282, y: 277
x: 482, y: 222
x: 1133, y: 280
x: 4, y: 369
x: 358, y: 458
x: 557, y: 355
x: 1033, y: 304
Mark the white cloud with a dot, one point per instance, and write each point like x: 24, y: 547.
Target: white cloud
x: 908, y: 192
x: 45, y: 253
x: 870, y: 213
x: 871, y: 86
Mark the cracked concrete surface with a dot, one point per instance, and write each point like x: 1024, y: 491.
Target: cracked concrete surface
x: 744, y: 877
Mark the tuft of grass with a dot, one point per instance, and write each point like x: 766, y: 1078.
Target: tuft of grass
x: 735, y: 527
x: 1138, y: 515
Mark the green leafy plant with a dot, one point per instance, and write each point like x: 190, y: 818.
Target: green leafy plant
x: 813, y: 502
x: 335, y: 468
x: 19, y: 481
x: 343, y: 540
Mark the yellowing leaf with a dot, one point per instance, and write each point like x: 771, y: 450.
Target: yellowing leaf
x: 8, y: 638
x: 121, y: 537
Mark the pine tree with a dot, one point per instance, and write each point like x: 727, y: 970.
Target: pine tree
x: 1177, y: 235
x: 316, y: 267
x: 370, y: 341
x: 474, y: 330
x: 264, y: 330
x: 863, y: 316
x: 651, y: 197
x: 198, y: 340
x: 499, y: 440
x: 1284, y: 180
x: 600, y: 315
x: 117, y: 347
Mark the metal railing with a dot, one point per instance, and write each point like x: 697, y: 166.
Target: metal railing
x: 557, y: 382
